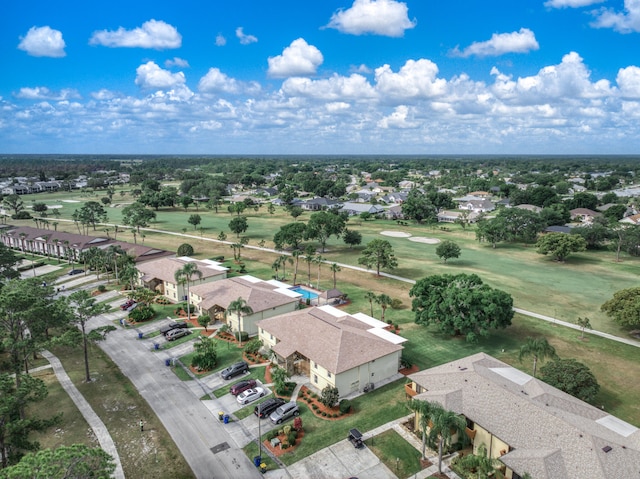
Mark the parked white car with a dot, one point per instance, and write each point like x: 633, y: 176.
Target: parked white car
x: 251, y: 395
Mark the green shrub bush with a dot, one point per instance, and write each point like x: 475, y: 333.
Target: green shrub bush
x: 241, y: 335
x: 345, y: 406
x: 185, y: 249
x: 253, y: 346
x: 102, y: 288
x: 142, y: 313
x: 291, y: 438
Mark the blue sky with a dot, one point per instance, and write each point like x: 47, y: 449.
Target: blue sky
x: 321, y: 77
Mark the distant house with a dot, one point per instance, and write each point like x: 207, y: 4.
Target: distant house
x: 524, y: 206
x: 356, y: 208
x: 265, y: 298
x: 159, y: 275
x: 480, y: 194
x: 528, y: 425
x: 478, y: 206
x: 447, y: 216
x: 631, y: 220
x: 394, y: 213
x: 584, y: 215
x: 333, y: 348
x: 558, y: 229
x: 16, y: 190
x: 319, y: 204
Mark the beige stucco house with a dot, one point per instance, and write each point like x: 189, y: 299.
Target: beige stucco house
x: 266, y: 299
x: 159, y: 275
x: 333, y: 348
x: 528, y: 425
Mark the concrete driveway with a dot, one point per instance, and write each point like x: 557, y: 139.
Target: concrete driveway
x: 341, y: 460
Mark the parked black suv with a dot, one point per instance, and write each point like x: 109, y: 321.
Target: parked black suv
x: 165, y: 329
x: 264, y: 409
x: 235, y: 370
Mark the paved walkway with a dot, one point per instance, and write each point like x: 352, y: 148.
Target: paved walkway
x: 98, y: 427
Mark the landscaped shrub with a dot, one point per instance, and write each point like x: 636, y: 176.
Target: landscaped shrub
x: 142, y: 313
x: 272, y: 435
x: 21, y: 215
x: 345, y: 406
x: 396, y: 303
x: 241, y: 335
x: 102, y: 288
x: 284, y: 445
x: 218, y: 258
x: 253, y: 346
x: 315, y: 407
x: 291, y: 438
x: 324, y: 414
x: 297, y: 424
x: 185, y: 249
x: 329, y: 396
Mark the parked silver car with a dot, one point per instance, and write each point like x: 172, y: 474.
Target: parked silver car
x: 284, y: 412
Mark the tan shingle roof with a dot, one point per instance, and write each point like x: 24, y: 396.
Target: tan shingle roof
x: 337, y: 343
x: 164, y: 269
x: 553, y: 434
x: 260, y: 295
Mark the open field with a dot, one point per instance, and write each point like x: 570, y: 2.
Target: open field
x: 569, y: 290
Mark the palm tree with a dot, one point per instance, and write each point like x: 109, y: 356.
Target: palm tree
x: 319, y: 260
x: 335, y: 269
x: 423, y: 410
x: 309, y: 255
x: 276, y: 265
x: 113, y: 252
x: 284, y: 259
x: 371, y: 297
x: 444, y: 425
x: 384, y: 301
x: 184, y: 276
x: 296, y: 253
x: 129, y: 274
x: 539, y: 348
x: 239, y: 307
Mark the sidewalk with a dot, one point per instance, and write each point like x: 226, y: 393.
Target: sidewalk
x: 98, y: 427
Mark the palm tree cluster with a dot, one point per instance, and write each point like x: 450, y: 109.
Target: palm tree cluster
x: 438, y: 426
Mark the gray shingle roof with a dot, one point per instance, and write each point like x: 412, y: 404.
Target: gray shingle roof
x: 553, y: 434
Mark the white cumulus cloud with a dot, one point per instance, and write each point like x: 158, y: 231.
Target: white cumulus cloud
x: 150, y: 75
x: 380, y: 17
x: 623, y: 22
x: 44, y: 93
x: 221, y: 41
x: 298, y: 59
x: 570, y: 3
x: 152, y: 34
x: 244, y: 38
x: 628, y: 81
x: 43, y: 42
x: 354, y: 87
x: 219, y: 82
x: 176, y: 62
x: 522, y: 41
x: 415, y: 79
x: 399, y: 118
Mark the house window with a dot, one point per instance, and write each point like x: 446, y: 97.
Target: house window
x: 315, y: 365
x: 271, y: 337
x: 315, y: 378
x: 328, y: 374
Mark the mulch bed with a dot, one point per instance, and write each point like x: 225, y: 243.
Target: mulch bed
x: 305, y: 394
x: 278, y: 451
x: 410, y: 370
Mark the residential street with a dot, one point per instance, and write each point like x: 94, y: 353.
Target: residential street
x: 201, y: 438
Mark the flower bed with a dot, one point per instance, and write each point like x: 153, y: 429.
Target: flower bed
x: 318, y: 409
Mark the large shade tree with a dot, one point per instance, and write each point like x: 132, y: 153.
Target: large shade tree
x: 461, y: 305
x: 378, y: 254
x: 572, y: 377
x: 624, y: 307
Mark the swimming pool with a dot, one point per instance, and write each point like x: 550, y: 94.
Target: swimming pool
x: 306, y: 294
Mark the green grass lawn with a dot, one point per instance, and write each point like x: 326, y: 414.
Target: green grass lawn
x: 396, y: 453
x: 371, y: 410
x: 120, y: 407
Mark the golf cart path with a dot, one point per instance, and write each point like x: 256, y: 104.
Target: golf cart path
x: 98, y: 427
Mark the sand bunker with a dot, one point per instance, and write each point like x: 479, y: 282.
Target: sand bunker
x: 396, y: 234
x: 422, y: 239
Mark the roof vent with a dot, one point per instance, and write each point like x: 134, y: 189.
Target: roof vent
x: 606, y: 448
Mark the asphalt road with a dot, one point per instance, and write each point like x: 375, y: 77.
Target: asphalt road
x: 201, y: 438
